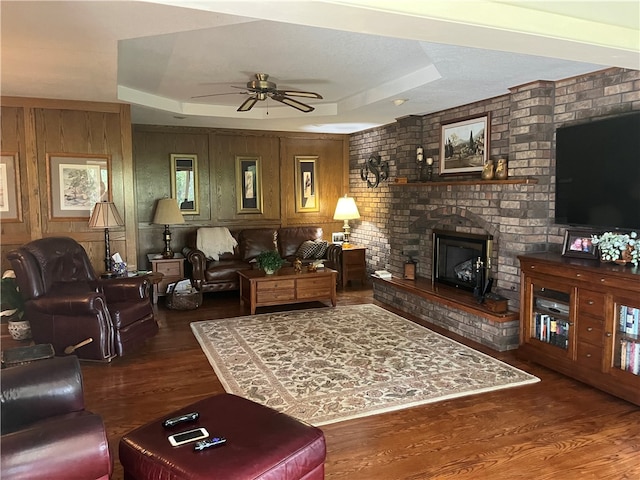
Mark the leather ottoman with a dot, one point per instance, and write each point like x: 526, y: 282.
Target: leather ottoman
x: 261, y: 444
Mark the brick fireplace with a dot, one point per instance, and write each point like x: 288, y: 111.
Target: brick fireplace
x: 398, y: 219
x: 497, y: 332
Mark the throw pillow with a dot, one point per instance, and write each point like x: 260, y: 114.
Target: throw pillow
x: 322, y: 246
x: 307, y: 249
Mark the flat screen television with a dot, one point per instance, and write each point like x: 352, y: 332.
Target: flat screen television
x: 598, y: 173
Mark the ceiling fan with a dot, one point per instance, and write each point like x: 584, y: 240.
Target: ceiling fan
x: 261, y: 88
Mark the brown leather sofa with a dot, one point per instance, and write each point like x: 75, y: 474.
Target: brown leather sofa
x: 46, y: 432
x: 221, y: 275
x: 66, y: 303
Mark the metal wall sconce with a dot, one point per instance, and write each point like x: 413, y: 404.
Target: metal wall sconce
x: 377, y: 168
x: 420, y: 160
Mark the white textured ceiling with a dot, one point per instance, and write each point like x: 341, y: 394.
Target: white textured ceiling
x: 360, y: 55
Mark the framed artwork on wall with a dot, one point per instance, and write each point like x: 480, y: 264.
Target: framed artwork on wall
x: 248, y: 184
x: 76, y: 182
x: 184, y: 182
x: 464, y: 145
x: 306, y: 184
x: 577, y: 243
x: 10, y: 206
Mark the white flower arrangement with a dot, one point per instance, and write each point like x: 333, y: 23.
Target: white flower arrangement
x: 618, y: 246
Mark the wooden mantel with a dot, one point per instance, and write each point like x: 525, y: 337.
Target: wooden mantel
x: 451, y: 297
x: 436, y: 183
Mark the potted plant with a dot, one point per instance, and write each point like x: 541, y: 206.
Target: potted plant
x: 269, y: 261
x: 618, y: 247
x: 12, y: 307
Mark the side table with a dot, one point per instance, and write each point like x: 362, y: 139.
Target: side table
x: 172, y: 270
x: 354, y: 265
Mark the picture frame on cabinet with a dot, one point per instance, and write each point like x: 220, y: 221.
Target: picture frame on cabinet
x: 307, y: 197
x: 76, y: 182
x: 464, y: 145
x: 248, y: 184
x: 578, y: 244
x: 10, y: 205
x: 184, y: 182
x: 337, y: 238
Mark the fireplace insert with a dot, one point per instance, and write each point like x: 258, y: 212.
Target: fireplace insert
x: 461, y: 260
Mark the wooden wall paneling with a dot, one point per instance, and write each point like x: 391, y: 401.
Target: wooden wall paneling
x: 130, y: 215
x: 54, y: 104
x: 345, y: 167
x: 224, y: 152
x: 151, y: 172
x: 223, y: 200
x: 223, y: 180
x: 288, y: 191
x: 268, y: 149
x: 75, y: 131
x: 330, y: 177
x: 14, y: 233
x: 152, y: 149
x: 12, y: 143
x: 68, y: 130
x: 33, y: 213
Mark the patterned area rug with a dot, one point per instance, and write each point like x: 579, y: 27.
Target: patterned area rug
x: 327, y: 365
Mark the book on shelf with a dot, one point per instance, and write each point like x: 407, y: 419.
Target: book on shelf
x: 551, y: 330
x: 629, y: 320
x: 630, y: 356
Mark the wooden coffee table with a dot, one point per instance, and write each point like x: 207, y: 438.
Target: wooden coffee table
x: 286, y: 286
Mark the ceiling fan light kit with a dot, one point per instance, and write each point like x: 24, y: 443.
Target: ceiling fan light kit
x: 261, y: 89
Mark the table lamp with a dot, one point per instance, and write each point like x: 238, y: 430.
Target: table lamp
x: 105, y: 215
x: 167, y: 213
x: 346, y: 210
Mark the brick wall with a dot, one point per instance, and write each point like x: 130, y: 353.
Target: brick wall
x: 398, y: 219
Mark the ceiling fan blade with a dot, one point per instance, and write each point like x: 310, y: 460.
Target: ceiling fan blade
x: 293, y: 103
x: 293, y: 93
x: 218, y: 94
x: 247, y: 104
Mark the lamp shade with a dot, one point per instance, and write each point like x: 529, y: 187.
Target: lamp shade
x: 168, y: 212
x: 105, y: 215
x: 346, y: 209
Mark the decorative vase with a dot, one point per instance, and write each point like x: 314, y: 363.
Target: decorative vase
x: 269, y: 271
x: 19, y: 329
x: 487, y: 171
x: 501, y: 170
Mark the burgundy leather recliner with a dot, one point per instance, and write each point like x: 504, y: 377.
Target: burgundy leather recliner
x: 66, y: 303
x: 46, y: 432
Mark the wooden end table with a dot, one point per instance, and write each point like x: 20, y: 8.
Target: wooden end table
x: 172, y: 270
x: 286, y: 286
x: 354, y: 265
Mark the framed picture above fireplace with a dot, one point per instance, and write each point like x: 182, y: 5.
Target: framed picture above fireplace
x: 464, y: 145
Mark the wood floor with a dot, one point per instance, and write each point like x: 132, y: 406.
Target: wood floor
x: 554, y: 429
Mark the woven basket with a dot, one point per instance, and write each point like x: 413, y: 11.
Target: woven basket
x: 183, y: 300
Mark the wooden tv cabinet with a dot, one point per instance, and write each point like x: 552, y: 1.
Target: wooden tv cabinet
x: 580, y: 318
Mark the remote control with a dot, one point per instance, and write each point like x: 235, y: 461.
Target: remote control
x: 172, y: 422
x: 209, y: 442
